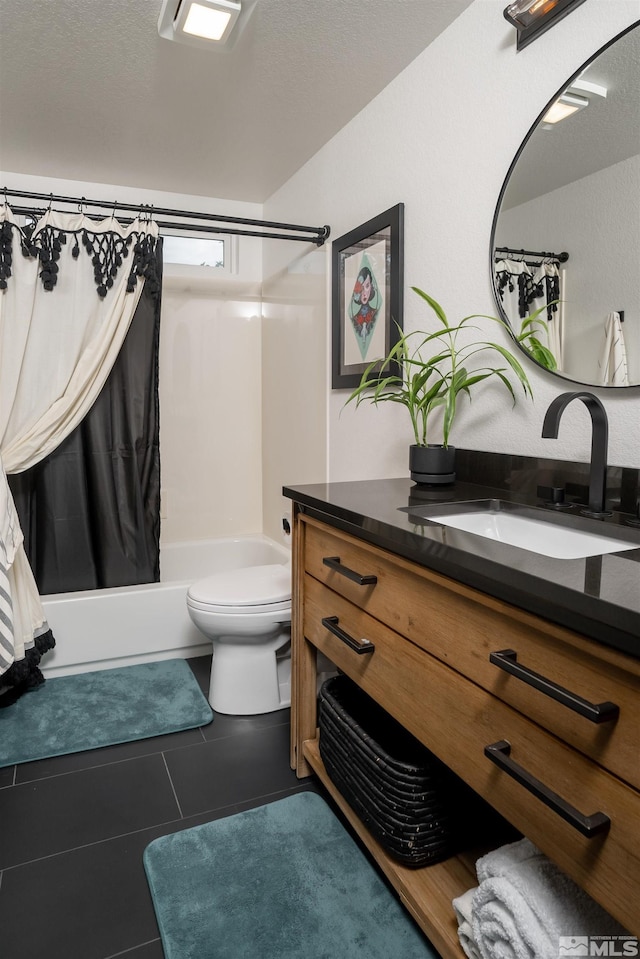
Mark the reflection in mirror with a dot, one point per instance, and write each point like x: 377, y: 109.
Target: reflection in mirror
x: 565, y: 246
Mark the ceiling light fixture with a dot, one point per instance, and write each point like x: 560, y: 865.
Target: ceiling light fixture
x: 533, y: 17
x: 210, y: 23
x: 571, y: 102
x: 203, y: 23
x: 565, y: 106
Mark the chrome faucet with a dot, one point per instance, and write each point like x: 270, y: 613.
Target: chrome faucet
x: 599, y: 440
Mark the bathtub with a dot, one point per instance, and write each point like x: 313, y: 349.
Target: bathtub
x: 104, y: 628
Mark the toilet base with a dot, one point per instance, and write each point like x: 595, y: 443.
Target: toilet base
x: 248, y: 680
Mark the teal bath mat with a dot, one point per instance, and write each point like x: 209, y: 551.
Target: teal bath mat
x: 282, y: 881
x: 69, y: 714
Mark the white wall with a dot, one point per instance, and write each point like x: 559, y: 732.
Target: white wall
x: 440, y: 138
x: 293, y: 378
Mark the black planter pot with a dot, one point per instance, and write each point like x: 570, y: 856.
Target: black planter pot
x: 432, y: 465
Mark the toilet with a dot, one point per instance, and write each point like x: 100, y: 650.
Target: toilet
x: 246, y: 613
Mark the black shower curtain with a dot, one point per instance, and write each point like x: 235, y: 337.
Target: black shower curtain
x: 90, y: 512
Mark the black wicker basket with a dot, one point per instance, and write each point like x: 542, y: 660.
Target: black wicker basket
x: 409, y: 800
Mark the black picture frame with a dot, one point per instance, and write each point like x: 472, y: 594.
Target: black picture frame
x: 362, y: 332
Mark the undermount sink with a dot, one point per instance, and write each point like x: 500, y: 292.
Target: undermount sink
x: 540, y: 531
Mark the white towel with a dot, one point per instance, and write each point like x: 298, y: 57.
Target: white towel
x: 462, y: 907
x: 613, y: 361
x: 499, y: 862
x: 523, y: 909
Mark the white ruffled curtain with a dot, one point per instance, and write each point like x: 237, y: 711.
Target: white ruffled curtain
x: 68, y: 293
x: 524, y: 289
x: 554, y: 326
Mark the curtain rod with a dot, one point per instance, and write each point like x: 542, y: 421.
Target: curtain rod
x: 321, y: 232
x: 561, y: 257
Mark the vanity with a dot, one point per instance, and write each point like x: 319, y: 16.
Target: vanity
x: 517, y: 663
x: 520, y: 671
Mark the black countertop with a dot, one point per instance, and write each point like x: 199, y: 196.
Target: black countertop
x: 598, y: 596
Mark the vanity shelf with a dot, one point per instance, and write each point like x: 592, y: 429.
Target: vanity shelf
x: 424, y: 892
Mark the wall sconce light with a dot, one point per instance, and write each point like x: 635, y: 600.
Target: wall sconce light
x: 532, y: 17
x: 204, y: 23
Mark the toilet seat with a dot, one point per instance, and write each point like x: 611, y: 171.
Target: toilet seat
x: 252, y: 589
x: 248, y: 610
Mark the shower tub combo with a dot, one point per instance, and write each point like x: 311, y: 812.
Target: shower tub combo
x: 105, y: 628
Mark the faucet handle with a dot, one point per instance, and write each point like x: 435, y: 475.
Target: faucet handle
x: 635, y: 520
x: 553, y: 496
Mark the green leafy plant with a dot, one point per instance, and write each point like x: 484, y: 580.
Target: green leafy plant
x: 529, y: 338
x: 427, y: 382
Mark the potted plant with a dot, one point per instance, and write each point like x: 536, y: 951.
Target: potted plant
x: 434, y: 371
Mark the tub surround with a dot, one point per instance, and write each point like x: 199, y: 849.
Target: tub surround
x: 598, y: 597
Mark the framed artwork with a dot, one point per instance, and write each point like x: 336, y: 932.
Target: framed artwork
x: 367, y: 281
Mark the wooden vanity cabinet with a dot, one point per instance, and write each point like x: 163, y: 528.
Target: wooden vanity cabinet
x: 432, y: 670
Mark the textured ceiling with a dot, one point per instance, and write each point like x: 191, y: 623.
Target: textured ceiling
x: 89, y: 91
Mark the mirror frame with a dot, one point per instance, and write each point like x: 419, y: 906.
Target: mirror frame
x: 514, y: 162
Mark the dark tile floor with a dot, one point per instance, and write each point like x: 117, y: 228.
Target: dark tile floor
x: 73, y: 829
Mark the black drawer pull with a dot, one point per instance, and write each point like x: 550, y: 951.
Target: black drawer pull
x: 362, y: 646
x: 507, y: 659
x: 333, y: 562
x: 589, y: 826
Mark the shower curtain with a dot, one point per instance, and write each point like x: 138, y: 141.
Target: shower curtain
x: 68, y: 292
x: 90, y: 511
x: 524, y: 288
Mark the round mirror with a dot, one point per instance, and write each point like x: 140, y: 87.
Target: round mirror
x: 565, y: 242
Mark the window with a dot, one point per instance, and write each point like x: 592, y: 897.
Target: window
x: 195, y: 251
x: 194, y: 255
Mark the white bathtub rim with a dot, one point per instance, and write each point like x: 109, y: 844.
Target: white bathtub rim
x: 88, y: 638
x: 88, y: 594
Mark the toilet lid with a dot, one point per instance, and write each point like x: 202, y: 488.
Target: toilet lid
x: 251, y: 586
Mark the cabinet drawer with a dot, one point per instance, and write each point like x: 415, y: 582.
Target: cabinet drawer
x: 463, y: 627
x: 456, y: 719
